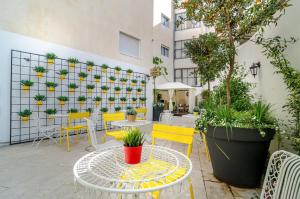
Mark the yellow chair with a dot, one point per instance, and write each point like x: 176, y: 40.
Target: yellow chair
x: 110, y: 117
x: 141, y: 111
x: 72, y: 117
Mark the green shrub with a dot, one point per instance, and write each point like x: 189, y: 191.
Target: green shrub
x: 112, y: 78
x: 25, y: 113
x: 51, y: 56
x: 111, y: 99
x: 90, y: 110
x: 104, y: 109
x: 123, y: 80
x: 104, y: 66
x: 134, y: 99
x: 131, y: 111
x: 123, y: 99
x: 73, y: 60
x: 133, y: 138
x: 139, y: 90
x: 117, y: 108
x: 51, y: 84
x: 73, y: 85
x: 40, y: 97
x: 82, y: 74
x: 63, y: 98
x: 26, y: 83
x: 117, y: 68
x: 143, y: 82
x: 105, y: 88
x: 90, y: 86
x: 40, y: 69
x: 50, y: 111
x: 97, y: 99
x: 90, y: 63
x: 81, y: 98
x: 73, y: 110
x: 97, y: 76
x: 129, y: 71
x: 117, y: 88
x: 129, y: 89
x: 63, y: 72
x: 134, y: 81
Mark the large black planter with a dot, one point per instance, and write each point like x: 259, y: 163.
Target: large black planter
x: 156, y: 112
x: 240, y: 160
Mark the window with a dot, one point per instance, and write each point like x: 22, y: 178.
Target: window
x: 165, y: 20
x: 179, y: 49
x: 164, y: 51
x: 187, y: 76
x: 129, y: 45
x: 185, y: 24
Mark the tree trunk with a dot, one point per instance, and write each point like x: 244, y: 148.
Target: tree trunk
x: 231, y: 64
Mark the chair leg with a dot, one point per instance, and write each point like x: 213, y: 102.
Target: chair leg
x: 60, y: 136
x: 76, y: 136
x: 68, y: 141
x: 191, y: 188
x: 89, y: 137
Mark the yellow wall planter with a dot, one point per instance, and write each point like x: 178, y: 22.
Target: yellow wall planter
x: 143, y: 84
x: 111, y: 103
x: 62, y: 77
x: 128, y: 92
x: 104, y: 91
x: 89, y: 68
x: 133, y: 84
x: 139, y: 93
x: 39, y: 74
x: 81, y: 103
x: 129, y: 75
x: 25, y: 119
x: 62, y: 103
x: 111, y: 81
x: 72, y: 65
x: 71, y: 90
x: 39, y: 103
x: 123, y: 83
x: 104, y: 70
x: 25, y: 88
x: 97, y: 80
x: 50, y: 61
x: 97, y: 103
x: 81, y: 79
x: 90, y: 91
x: 51, y: 89
x: 117, y: 92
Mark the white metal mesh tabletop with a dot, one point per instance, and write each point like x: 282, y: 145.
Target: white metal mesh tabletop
x: 105, y: 172
x: 126, y: 123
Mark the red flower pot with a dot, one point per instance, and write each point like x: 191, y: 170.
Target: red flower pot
x: 133, y: 154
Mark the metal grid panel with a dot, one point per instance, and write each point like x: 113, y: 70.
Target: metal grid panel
x: 22, y: 68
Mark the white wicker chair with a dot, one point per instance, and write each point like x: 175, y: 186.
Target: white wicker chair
x: 282, y: 179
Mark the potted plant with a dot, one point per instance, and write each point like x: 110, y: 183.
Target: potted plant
x: 25, y: 114
x: 40, y: 70
x: 131, y: 114
x: 40, y: 99
x: 73, y: 110
x: 134, y: 99
x: 81, y: 99
x: 158, y: 108
x: 129, y: 72
x: 72, y: 62
x: 123, y: 100
x: 117, y: 70
x: 72, y: 87
x: 104, y: 68
x: 143, y: 100
x: 128, y: 90
x: 133, y: 82
x: 133, y: 142
x: 111, y: 101
x: 128, y: 107
x: 62, y: 100
x: 117, y: 90
x: 97, y: 100
x: 62, y: 74
x: 112, y: 79
x: 26, y: 84
x: 90, y: 110
x: 123, y: 81
x: 51, y: 86
x: 104, y: 89
x: 143, y: 83
x: 82, y: 76
x: 97, y: 78
x: 90, y: 88
x: 117, y: 108
x: 196, y: 111
x: 50, y: 112
x: 104, y: 109
x: 50, y: 58
x: 139, y: 91
x: 90, y: 65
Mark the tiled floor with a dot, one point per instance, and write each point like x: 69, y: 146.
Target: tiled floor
x: 46, y: 172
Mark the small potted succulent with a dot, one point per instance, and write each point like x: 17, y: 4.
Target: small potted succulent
x: 196, y: 110
x: 134, y: 99
x: 123, y: 81
x: 133, y: 143
x: 118, y: 70
x: 129, y: 72
x: 128, y: 90
x: 104, y: 68
x: 131, y: 114
x: 72, y: 87
x: 97, y: 78
x: 25, y: 114
x: 72, y: 62
x: 51, y: 86
x: 40, y: 70
x: 50, y: 112
x: 111, y: 101
x: 50, y: 58
x: 90, y: 65
x: 143, y: 83
x: 82, y: 76
x: 26, y: 84
x: 62, y: 100
x: 133, y: 82
x: 117, y: 90
x: 139, y: 91
x: 104, y: 89
x: 143, y: 100
x: 123, y: 100
x: 97, y: 100
x: 73, y: 110
x: 81, y: 99
x: 40, y: 99
x: 129, y: 107
x: 90, y: 88
x: 62, y: 74
x: 117, y: 108
x: 112, y: 79
x: 104, y: 109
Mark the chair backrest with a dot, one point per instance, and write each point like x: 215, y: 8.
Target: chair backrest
x: 282, y: 178
x: 92, y: 132
x: 110, y: 117
x: 77, y: 116
x: 142, y: 111
x: 175, y: 134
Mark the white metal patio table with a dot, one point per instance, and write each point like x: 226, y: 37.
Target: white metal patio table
x: 104, y: 174
x: 128, y: 124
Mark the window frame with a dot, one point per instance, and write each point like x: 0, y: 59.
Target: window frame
x: 128, y: 54
x: 181, y: 49
x: 163, y: 49
x: 166, y: 21
x: 186, y: 25
x: 182, y: 78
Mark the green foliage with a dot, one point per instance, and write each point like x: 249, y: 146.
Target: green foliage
x: 158, y: 70
x: 40, y: 69
x: 90, y: 110
x: 82, y: 74
x: 131, y: 111
x: 81, y: 98
x: 51, y: 56
x: 129, y: 107
x: 133, y: 138
x: 123, y: 80
x: 129, y: 89
x: 25, y: 113
x: 196, y: 109
x: 143, y: 82
x: 139, y: 90
x: 118, y: 68
x: 40, y: 97
x: 129, y: 71
x: 73, y: 110
x: 117, y: 88
x: 97, y: 99
x: 104, y: 66
x: 73, y: 85
x: 104, y: 109
x: 143, y: 99
x: 63, y: 72
x: 26, y: 83
x: 134, y: 99
x: 50, y: 111
x: 90, y: 86
x: 112, y: 78
x: 205, y: 94
x: 104, y: 87
x: 90, y: 63
x: 62, y: 98
x: 97, y: 76
x: 123, y: 99
x: 73, y: 60
x: 111, y: 99
x: 134, y: 81
x: 117, y: 108
x: 51, y: 84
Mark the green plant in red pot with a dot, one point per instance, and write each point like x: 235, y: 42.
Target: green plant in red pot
x: 133, y: 143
